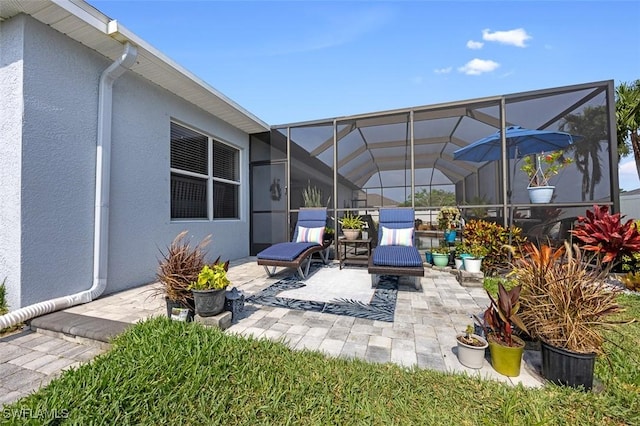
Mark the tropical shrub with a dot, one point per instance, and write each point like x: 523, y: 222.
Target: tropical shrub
x: 604, y: 234
x: 495, y: 240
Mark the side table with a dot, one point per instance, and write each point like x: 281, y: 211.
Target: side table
x: 354, y: 258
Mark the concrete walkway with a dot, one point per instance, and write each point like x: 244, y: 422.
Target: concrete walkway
x: 422, y: 334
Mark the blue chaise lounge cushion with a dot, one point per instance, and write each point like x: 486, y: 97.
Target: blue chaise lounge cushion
x: 396, y: 256
x: 284, y: 251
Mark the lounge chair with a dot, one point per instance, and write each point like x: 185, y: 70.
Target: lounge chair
x: 396, y: 253
x: 307, y: 240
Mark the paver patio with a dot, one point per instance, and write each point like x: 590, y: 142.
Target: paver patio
x: 422, y: 334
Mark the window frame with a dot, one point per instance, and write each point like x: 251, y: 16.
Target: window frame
x: 210, y: 178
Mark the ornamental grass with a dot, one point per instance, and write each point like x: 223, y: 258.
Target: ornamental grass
x: 564, y: 301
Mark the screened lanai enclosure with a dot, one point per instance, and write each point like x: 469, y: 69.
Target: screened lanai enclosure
x: 405, y: 157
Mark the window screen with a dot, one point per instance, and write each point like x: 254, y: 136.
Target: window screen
x: 200, y: 180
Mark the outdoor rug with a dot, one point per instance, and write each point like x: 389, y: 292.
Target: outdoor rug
x: 340, y: 292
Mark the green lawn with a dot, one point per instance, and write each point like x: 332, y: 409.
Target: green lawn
x: 163, y: 372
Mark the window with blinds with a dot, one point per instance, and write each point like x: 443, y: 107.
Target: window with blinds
x: 205, y: 176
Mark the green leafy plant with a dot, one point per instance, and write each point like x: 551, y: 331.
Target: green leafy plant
x: 212, y: 277
x: 540, y: 167
x: 502, y: 315
x: 495, y: 239
x: 441, y: 249
x: 563, y: 302
x: 605, y: 235
x: 476, y: 251
x: 350, y: 221
x: 448, y: 218
x: 312, y: 196
x: 490, y: 284
x: 179, y: 266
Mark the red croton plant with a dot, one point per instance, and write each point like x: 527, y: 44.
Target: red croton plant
x: 604, y: 234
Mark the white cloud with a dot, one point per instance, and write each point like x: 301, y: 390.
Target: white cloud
x: 443, y: 70
x: 478, y: 66
x: 472, y: 44
x: 516, y: 37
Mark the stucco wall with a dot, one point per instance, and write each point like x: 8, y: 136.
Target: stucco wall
x: 11, y: 33
x: 61, y: 80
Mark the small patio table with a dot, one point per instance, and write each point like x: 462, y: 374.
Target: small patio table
x: 355, y: 258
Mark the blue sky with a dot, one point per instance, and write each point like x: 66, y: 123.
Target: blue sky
x: 305, y: 60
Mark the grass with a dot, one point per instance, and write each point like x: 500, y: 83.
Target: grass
x: 164, y: 372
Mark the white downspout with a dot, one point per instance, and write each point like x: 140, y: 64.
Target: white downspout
x: 103, y: 177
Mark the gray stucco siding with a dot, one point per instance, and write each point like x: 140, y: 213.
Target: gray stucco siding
x: 51, y: 164
x: 11, y: 107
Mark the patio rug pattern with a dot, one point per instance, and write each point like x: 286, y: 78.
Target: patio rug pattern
x: 381, y: 307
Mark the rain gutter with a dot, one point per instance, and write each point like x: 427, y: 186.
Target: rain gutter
x: 101, y: 220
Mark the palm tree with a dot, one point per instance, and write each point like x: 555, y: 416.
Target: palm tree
x: 628, y: 120
x: 592, y: 125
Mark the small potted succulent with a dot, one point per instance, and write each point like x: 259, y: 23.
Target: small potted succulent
x: 471, y: 348
x: 209, y: 289
x: 351, y: 226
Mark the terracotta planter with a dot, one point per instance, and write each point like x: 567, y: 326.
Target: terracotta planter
x: 469, y: 355
x: 351, y: 234
x: 506, y: 360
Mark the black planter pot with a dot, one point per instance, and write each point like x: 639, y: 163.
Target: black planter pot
x: 567, y: 368
x: 177, y: 304
x: 209, y: 302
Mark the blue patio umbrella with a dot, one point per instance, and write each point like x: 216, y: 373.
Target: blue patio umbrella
x: 520, y: 141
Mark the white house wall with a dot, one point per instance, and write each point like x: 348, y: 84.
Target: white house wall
x: 10, y: 155
x: 57, y: 182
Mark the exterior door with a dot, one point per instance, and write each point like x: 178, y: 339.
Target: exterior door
x: 268, y: 205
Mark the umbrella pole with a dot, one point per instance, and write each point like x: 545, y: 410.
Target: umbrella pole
x: 509, y: 192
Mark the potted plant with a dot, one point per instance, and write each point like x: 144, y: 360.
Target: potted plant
x: 178, y: 267
x: 539, y: 169
x: 471, y: 348
x: 459, y: 252
x: 565, y: 305
x: 440, y: 255
x: 473, y: 261
x: 209, y: 289
x: 351, y: 225
x: 448, y: 220
x: 498, y: 324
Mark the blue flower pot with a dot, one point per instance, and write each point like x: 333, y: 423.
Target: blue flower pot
x: 428, y: 257
x: 450, y: 236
